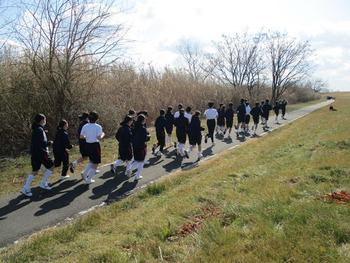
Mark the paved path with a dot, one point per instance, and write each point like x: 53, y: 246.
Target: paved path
x: 20, y: 216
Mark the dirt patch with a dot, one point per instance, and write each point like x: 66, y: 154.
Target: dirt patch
x: 340, y: 197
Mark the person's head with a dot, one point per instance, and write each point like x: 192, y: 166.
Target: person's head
x: 267, y: 101
x: 211, y: 104
x: 127, y: 120
x: 247, y: 103
x: 180, y: 106
x: 169, y: 109
x: 242, y: 101
x: 39, y: 119
x: 220, y: 105
x: 230, y: 105
x: 131, y: 113
x: 197, y: 113
x: 83, y: 116
x: 93, y: 116
x: 162, y: 112
x: 257, y: 104
x: 63, y: 124
x: 182, y: 112
x: 143, y: 112
x: 188, y: 109
x: 262, y: 102
x: 141, y: 119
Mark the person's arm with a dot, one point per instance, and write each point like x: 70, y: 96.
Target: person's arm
x: 83, y: 132
x: 100, y: 133
x: 67, y: 143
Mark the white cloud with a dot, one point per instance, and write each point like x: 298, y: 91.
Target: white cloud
x: 158, y: 25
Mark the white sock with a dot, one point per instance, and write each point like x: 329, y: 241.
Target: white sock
x: 118, y: 163
x: 129, y: 166
x: 91, y: 173
x: 28, y: 182
x: 86, y: 170
x: 139, y: 169
x: 46, y: 176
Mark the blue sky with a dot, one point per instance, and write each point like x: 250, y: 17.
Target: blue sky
x: 157, y: 26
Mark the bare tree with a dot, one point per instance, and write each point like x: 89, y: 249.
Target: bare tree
x: 238, y: 61
x: 289, y: 62
x: 65, y: 42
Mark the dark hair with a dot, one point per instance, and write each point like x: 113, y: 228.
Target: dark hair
x: 210, y: 104
x: 197, y: 113
x: 256, y: 104
x: 182, y: 111
x: 61, y: 124
x: 143, y: 112
x: 170, y: 109
x: 162, y: 112
x: 131, y: 112
x: 127, y: 118
x: 220, y: 105
x: 37, y: 119
x: 180, y: 106
x: 93, y: 116
x: 230, y: 104
x: 242, y: 101
x: 267, y: 101
x: 83, y: 115
x: 140, y: 118
x: 188, y: 109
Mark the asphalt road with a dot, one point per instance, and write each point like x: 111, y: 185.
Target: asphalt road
x: 21, y: 216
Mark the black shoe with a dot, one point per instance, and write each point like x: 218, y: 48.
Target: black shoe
x: 175, y: 145
x: 153, y: 149
x: 112, y: 169
x: 186, y: 154
x: 206, y: 139
x: 71, y: 168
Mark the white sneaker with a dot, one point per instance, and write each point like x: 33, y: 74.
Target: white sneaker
x: 147, y: 162
x: 138, y: 177
x: 45, y: 186
x: 200, y: 156
x: 89, y: 181
x: 26, y: 192
x: 97, y: 171
x: 64, y: 177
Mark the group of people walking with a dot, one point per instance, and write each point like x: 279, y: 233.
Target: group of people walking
x: 132, y: 137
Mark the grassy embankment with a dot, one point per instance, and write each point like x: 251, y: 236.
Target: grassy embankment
x: 259, y: 202
x: 14, y: 171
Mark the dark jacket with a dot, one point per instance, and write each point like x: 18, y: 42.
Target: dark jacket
x: 221, y: 117
x: 181, y: 124
x: 139, y: 136
x: 241, y: 110
x: 169, y: 118
x: 39, y: 144
x: 61, y: 142
x: 124, y: 135
x: 229, y: 114
x: 195, y: 129
x: 160, y: 125
x: 81, y: 124
x: 266, y: 109
x: 256, y: 112
x: 276, y: 108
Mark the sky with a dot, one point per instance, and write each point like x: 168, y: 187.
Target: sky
x: 156, y: 27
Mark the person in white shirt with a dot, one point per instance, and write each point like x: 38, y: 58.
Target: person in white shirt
x: 177, y: 115
x: 211, y: 115
x: 247, y: 116
x: 92, y: 133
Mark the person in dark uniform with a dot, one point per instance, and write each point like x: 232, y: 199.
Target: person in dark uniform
x: 181, y: 124
x: 169, y: 117
x: 262, y: 113
x: 247, y: 116
x: 266, y: 112
x: 283, y: 106
x: 241, y: 113
x: 124, y: 136
x: 195, y: 133
x: 160, y: 125
x: 276, y: 109
x: 140, y: 137
x: 229, y: 114
x: 83, y: 117
x: 221, y: 120
x: 61, y: 146
x: 256, y: 113
x: 39, y: 155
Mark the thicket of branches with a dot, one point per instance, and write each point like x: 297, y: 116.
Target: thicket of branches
x: 69, y: 60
